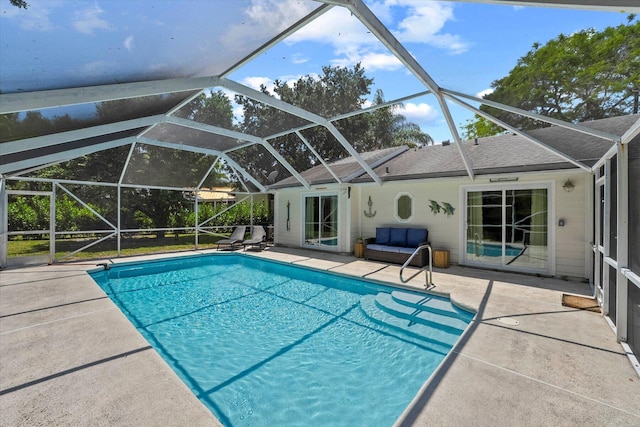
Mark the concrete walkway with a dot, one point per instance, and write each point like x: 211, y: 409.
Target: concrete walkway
x: 68, y: 356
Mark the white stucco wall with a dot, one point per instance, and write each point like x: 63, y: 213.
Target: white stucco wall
x: 293, y: 237
x: 569, y: 243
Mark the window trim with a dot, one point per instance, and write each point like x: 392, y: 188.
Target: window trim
x: 395, y: 206
x: 551, y: 220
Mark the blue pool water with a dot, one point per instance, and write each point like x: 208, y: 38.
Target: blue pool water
x: 492, y: 249
x: 266, y: 344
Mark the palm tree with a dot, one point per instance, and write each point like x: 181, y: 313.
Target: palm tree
x: 390, y: 129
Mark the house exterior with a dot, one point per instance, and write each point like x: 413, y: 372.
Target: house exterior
x: 527, y: 208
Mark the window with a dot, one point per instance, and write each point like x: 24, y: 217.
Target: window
x: 404, y: 207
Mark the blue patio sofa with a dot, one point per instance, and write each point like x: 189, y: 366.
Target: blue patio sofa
x: 396, y: 244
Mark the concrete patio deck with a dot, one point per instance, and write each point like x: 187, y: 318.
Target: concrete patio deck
x: 68, y: 356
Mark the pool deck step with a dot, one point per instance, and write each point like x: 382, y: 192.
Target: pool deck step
x: 421, y: 314
x: 439, y: 340
x: 431, y: 303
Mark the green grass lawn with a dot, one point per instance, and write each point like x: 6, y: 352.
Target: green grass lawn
x: 139, y: 245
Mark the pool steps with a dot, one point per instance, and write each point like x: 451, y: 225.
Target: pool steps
x: 428, y: 318
x: 432, y: 303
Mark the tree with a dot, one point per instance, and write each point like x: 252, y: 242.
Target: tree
x: 20, y: 4
x: 390, y: 129
x: 479, y: 127
x: 213, y: 108
x: 159, y: 166
x: 584, y: 76
x: 337, y: 91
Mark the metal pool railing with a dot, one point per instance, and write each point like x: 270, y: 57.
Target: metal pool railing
x: 428, y: 273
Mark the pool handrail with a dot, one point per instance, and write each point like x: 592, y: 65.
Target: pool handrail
x: 428, y: 273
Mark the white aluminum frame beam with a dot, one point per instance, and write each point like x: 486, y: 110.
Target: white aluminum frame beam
x: 123, y: 172
x: 21, y: 172
x: 601, y: 5
x: 350, y: 114
x: 238, y: 135
x: 622, y: 240
x: 522, y: 134
x: 378, y: 106
x: 206, y: 175
x: 17, y: 102
x: 382, y: 33
x: 319, y: 157
x: 378, y: 162
x: 246, y: 175
x: 64, y: 155
x: 297, y: 111
x: 631, y: 133
x: 87, y: 206
x: 319, y: 11
x: 75, y: 135
x: 593, y: 132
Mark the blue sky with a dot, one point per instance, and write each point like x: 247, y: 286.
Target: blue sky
x: 463, y: 46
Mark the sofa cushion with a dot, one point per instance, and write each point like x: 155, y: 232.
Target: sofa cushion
x: 382, y: 235
x: 415, y: 236
x: 398, y: 237
x: 387, y: 248
x: 379, y: 248
x: 407, y: 250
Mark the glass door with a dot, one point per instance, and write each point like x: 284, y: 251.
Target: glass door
x: 484, y: 227
x: 508, y: 228
x: 321, y: 221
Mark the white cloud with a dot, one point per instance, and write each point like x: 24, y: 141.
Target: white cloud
x: 128, y: 43
x: 382, y: 9
x: 256, y: 82
x: 370, y: 61
x: 383, y: 61
x: 276, y: 14
x: 289, y: 80
x: 419, y: 113
x: 265, y: 18
x: 352, y: 42
x: 88, y: 20
x: 482, y: 94
x: 424, y: 23
x: 336, y: 27
x: 35, y: 18
x: 299, y: 58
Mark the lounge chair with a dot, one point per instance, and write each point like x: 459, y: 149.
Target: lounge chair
x: 236, y: 237
x: 258, y: 238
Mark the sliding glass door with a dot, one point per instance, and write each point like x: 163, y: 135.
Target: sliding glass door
x: 508, y: 228
x: 321, y: 221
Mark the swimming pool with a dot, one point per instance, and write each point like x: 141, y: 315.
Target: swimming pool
x: 261, y: 343
x: 492, y: 249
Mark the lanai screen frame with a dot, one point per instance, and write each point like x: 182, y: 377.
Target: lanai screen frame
x: 19, y: 102
x: 27, y: 101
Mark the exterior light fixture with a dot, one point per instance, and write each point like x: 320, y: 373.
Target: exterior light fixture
x: 568, y: 186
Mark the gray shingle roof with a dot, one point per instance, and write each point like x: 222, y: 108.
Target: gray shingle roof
x: 496, y: 154
x: 344, y: 168
x: 588, y: 149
